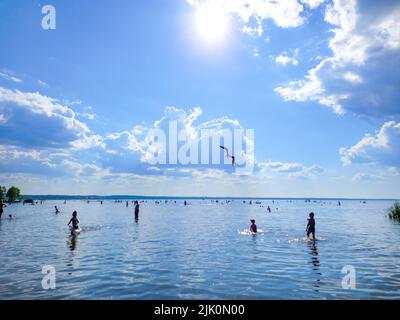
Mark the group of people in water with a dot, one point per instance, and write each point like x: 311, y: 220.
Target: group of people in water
x: 75, y: 221
x: 310, y: 229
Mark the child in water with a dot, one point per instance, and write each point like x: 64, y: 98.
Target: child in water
x: 311, y: 226
x: 74, y: 221
x: 136, y: 210
x: 253, y: 227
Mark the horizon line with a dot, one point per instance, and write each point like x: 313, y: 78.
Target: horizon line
x: 121, y: 196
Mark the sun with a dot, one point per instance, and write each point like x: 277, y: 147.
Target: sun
x: 211, y: 22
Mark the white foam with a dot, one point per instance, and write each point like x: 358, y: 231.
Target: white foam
x: 306, y: 239
x: 247, y: 232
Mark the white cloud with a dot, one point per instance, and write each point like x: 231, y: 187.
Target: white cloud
x: 13, y: 159
x: 8, y: 76
x: 88, y: 141
x: 394, y: 171
x: 284, y: 58
x: 83, y: 169
x: 352, y: 77
x: 254, y: 13
x: 37, y: 120
x: 365, y: 48
x: 2, y: 119
x: 285, y: 167
x: 89, y: 116
x: 291, y: 169
x: 42, y: 84
x: 40, y: 104
x: 382, y: 148
x: 253, y: 31
x: 313, y: 3
x: 365, y: 177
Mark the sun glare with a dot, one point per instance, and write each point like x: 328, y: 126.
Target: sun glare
x: 211, y: 23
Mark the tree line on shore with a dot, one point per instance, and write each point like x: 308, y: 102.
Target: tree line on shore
x: 11, y: 195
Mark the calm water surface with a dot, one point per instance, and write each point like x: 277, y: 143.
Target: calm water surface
x: 196, y: 252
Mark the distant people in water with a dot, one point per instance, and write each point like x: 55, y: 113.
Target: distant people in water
x: 136, y: 211
x: 269, y: 209
x: 311, y: 226
x: 56, y: 209
x: 127, y: 204
x: 2, y: 205
x: 74, y: 220
x: 185, y: 203
x: 339, y: 204
x: 10, y: 216
x: 253, y: 226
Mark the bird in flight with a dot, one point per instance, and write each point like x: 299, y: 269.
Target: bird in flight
x: 228, y: 155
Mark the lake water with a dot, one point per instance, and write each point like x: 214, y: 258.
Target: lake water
x: 197, y: 251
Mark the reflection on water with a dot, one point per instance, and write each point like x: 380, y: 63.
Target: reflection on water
x: 73, y: 239
x: 196, y: 251
x: 315, y: 264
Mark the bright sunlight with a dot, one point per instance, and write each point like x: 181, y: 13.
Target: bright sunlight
x: 212, y: 22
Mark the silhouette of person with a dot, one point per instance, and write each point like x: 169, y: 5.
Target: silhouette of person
x: 136, y: 211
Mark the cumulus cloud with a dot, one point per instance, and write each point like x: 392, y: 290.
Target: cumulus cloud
x: 254, y: 13
x: 284, y: 58
x: 40, y: 135
x: 135, y: 151
x: 14, y: 159
x: 382, y: 148
x: 88, y: 141
x: 35, y: 120
x: 365, y: 53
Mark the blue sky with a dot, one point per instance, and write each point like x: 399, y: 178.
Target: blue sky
x: 317, y: 81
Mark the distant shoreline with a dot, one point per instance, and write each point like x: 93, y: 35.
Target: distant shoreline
x: 133, y: 197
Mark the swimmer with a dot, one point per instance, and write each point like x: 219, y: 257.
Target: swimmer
x: 253, y: 227
x: 311, y: 226
x: 74, y: 220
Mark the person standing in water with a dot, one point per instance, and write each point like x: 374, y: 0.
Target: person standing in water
x: 136, y: 211
x: 311, y: 226
x: 57, y: 211
x: 2, y: 205
x: 253, y: 227
x: 74, y: 220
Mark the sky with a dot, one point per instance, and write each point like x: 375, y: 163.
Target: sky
x: 317, y: 82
